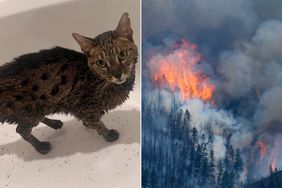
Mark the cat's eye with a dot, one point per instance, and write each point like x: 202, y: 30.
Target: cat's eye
x: 100, y: 63
x: 122, y: 55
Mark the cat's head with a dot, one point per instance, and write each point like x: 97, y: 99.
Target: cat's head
x: 112, y: 55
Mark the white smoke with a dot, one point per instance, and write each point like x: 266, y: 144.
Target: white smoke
x: 257, y: 68
x: 241, y: 43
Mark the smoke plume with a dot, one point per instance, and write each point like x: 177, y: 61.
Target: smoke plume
x: 240, y: 43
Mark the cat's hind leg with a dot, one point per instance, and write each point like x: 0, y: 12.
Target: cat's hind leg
x: 25, y: 132
x: 109, y: 135
x: 53, y: 123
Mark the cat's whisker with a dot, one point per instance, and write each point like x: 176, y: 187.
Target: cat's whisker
x: 100, y: 86
x: 103, y: 85
x: 106, y: 85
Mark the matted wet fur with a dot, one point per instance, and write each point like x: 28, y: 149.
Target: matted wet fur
x: 55, y: 80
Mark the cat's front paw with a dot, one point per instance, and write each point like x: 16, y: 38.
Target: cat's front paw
x: 111, y: 135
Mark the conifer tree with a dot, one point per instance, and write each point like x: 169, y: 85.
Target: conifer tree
x: 220, y: 174
x: 238, y: 166
x: 192, y: 156
x: 204, y: 167
x: 212, y: 166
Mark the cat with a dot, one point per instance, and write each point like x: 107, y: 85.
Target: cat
x: 59, y: 80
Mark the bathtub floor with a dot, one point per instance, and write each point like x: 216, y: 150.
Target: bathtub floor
x: 79, y: 157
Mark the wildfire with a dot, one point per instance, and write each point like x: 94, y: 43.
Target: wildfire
x: 274, y: 154
x: 179, y: 69
x: 273, y: 165
x: 269, y: 152
x: 262, y: 149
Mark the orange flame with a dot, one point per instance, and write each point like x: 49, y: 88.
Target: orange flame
x: 274, y: 154
x: 262, y: 149
x: 178, y: 69
x: 273, y: 165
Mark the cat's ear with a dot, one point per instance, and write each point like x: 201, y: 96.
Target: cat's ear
x: 85, y: 44
x: 124, y: 27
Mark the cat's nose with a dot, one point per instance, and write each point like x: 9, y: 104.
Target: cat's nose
x: 116, y: 72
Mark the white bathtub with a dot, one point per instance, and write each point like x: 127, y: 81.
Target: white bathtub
x: 79, y: 157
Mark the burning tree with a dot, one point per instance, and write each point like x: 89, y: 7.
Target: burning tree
x: 176, y: 153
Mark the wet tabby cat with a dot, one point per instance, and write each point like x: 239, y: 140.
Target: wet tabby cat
x: 85, y: 85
